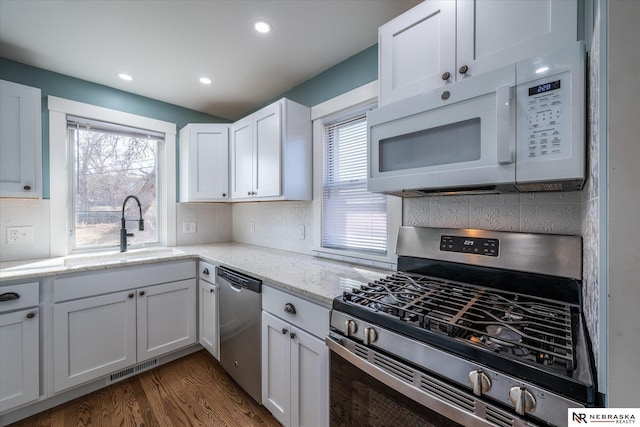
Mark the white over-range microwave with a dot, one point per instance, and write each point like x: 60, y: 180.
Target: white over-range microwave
x: 519, y: 128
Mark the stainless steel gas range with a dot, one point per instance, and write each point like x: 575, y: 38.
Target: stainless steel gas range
x: 475, y: 328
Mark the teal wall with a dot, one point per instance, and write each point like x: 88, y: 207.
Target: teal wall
x: 355, y: 71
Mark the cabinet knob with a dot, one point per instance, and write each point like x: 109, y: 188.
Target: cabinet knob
x: 446, y: 75
x: 141, y: 293
x: 27, y: 188
x: 211, y: 290
x: 248, y: 193
x: 224, y: 194
x: 464, y: 69
x: 284, y: 331
x: 289, y: 308
x: 205, y: 271
x: 131, y: 296
x: 445, y: 95
x: 31, y: 315
x: 292, y: 335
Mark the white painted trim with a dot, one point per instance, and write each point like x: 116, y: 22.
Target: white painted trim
x: 106, y: 114
x: 58, y: 166
x: 360, y: 96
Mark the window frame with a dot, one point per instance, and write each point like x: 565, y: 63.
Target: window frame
x: 353, y: 100
x: 60, y: 195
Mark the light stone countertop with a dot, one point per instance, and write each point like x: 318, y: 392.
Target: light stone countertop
x: 312, y: 277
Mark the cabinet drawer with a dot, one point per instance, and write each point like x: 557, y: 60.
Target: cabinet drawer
x: 309, y: 316
x: 207, y: 271
x: 121, y: 279
x: 28, y: 296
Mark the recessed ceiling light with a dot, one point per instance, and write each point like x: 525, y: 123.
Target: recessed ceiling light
x: 126, y: 77
x: 205, y: 80
x: 542, y: 70
x: 262, y: 27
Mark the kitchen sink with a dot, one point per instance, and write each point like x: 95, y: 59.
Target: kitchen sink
x: 113, y: 257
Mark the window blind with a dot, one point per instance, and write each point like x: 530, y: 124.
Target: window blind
x: 352, y: 218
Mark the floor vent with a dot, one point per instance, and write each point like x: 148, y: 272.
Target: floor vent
x: 133, y: 370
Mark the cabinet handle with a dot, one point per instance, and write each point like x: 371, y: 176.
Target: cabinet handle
x: 446, y: 75
x: 464, y: 69
x: 205, y: 271
x: 284, y: 331
x: 131, y: 296
x: 9, y: 296
x: 292, y: 335
x: 141, y: 293
x: 289, y: 308
x: 31, y: 315
x: 27, y: 188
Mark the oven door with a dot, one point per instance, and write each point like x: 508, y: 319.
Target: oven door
x: 369, y: 388
x: 458, y: 137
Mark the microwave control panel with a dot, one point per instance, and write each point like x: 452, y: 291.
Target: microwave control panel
x: 545, y: 111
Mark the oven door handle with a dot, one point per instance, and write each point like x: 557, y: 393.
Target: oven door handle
x: 412, y: 392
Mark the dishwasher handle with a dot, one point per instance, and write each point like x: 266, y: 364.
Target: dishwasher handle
x: 239, y: 280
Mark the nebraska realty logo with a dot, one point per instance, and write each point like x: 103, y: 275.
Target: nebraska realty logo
x: 582, y: 416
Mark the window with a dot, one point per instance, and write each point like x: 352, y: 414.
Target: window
x: 352, y: 219
x: 110, y: 162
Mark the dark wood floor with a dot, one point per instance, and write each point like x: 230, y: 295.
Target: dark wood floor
x: 192, y: 391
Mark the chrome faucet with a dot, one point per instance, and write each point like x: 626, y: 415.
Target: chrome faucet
x: 123, y: 228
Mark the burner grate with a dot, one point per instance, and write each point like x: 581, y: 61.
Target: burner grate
x: 509, y: 323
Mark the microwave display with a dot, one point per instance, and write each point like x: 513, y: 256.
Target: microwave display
x: 545, y: 87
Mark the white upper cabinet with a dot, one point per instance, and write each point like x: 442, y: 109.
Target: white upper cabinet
x: 439, y: 42
x: 20, y: 141
x: 271, y: 154
x: 415, y: 50
x: 204, y: 163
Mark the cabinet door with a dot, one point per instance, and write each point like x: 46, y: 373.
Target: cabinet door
x: 208, y: 163
x: 93, y: 337
x: 19, y: 358
x: 268, y: 150
x: 20, y: 141
x: 493, y: 33
x: 166, y: 318
x: 276, y: 362
x: 309, y: 381
x: 242, y: 182
x: 209, y: 318
x: 416, y: 49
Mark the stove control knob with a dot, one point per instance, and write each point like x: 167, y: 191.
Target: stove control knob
x: 350, y: 327
x: 522, y: 400
x: 480, y: 382
x: 370, y: 336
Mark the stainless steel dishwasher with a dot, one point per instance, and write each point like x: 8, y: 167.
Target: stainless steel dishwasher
x: 240, y: 305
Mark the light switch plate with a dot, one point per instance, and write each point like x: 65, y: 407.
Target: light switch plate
x: 188, y: 227
x: 301, y: 232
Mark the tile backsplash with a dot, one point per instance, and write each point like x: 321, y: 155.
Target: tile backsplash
x: 20, y: 213
x: 552, y: 213
x: 212, y: 222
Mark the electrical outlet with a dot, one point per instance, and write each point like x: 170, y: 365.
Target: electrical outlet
x: 188, y: 227
x: 20, y: 234
x: 301, y: 232
x: 252, y: 226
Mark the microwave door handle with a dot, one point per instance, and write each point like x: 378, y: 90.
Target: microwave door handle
x: 503, y: 125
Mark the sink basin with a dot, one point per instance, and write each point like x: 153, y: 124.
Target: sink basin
x: 112, y: 257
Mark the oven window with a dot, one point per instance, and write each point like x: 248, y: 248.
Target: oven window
x: 453, y: 143
x: 357, y: 399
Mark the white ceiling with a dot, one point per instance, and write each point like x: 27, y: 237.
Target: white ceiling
x: 167, y: 45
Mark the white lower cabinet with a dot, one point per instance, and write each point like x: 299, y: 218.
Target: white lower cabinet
x: 208, y: 310
x: 295, y: 373
x: 19, y: 360
x: 94, y: 336
x: 19, y: 345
